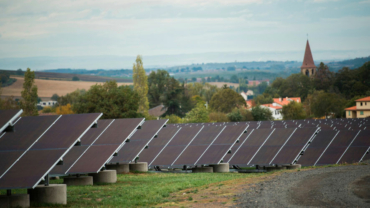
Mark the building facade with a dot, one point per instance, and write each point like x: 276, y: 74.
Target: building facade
x: 308, y: 67
x: 360, y: 110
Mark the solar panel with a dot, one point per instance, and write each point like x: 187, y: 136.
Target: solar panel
x: 357, y: 149
x: 293, y: 147
x: 132, y: 149
x: 157, y: 144
x: 272, y: 146
x: 14, y: 144
x: 336, y: 149
x: 317, y: 147
x: 36, y: 163
x: 177, y: 145
x: 72, y: 156
x: 219, y: 148
x: 196, y: 148
x: 8, y: 117
x: 103, y: 149
x: 251, y: 145
x: 366, y: 155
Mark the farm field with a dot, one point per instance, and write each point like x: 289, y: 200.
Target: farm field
x: 46, y: 88
x: 221, y: 84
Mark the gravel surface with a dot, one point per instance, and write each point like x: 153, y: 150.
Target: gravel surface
x: 344, y: 186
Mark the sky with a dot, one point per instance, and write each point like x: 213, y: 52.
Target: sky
x: 163, y: 30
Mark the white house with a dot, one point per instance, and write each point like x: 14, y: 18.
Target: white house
x: 47, y: 103
x: 275, y: 110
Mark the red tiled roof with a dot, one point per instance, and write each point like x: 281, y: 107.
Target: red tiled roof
x: 286, y: 101
x: 351, y: 108
x: 271, y: 106
x: 308, y: 59
x: 364, y: 99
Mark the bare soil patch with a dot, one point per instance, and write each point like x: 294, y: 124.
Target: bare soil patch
x: 46, y: 88
x: 361, y: 188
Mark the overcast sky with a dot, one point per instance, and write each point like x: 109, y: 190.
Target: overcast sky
x: 30, y: 28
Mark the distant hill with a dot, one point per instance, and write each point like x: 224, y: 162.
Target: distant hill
x: 351, y: 63
x: 66, y: 76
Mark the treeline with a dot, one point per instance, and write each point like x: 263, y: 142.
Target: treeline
x: 327, y: 93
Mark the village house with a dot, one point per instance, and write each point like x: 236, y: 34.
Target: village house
x: 360, y: 110
x: 277, y: 106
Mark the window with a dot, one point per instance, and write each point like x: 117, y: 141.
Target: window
x: 361, y: 113
x: 349, y: 113
x: 361, y: 104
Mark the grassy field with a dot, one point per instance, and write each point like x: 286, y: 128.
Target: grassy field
x: 46, y: 88
x: 148, y: 189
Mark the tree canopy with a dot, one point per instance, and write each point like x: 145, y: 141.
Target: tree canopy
x: 293, y: 111
x: 112, y: 101
x: 226, y: 100
x: 29, y: 94
x: 141, y: 85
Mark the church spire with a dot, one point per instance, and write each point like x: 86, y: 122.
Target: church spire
x: 308, y: 62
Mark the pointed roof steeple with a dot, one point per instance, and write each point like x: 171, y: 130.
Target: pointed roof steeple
x: 308, y: 62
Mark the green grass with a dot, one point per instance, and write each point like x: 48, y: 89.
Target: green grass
x: 139, y: 190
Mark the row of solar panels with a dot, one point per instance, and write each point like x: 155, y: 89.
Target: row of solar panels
x: 38, y: 144
x: 176, y: 146
x: 34, y: 146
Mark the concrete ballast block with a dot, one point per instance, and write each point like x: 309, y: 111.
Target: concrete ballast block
x: 15, y: 200
x: 140, y: 166
x: 221, y: 168
x: 202, y: 170
x: 52, y: 194
x: 78, y: 181
x: 120, y: 168
x: 105, y: 176
x: 295, y: 166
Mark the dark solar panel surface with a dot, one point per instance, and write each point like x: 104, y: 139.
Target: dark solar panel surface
x: 108, y: 143
x: 215, y: 153
x: 294, y: 146
x: 6, y: 116
x: 199, y: 145
x: 93, y: 159
x: 69, y: 159
x: 337, y: 147
x: 121, y: 129
x: 72, y: 156
x: 14, y: 144
x: 367, y: 157
x: 157, y: 144
x: 177, y: 145
x: 30, y: 168
x: 358, y: 148
x: 250, y: 146
x: 36, y: 163
x: 317, y: 147
x: 272, y: 146
x: 149, y: 129
x: 138, y: 141
x: 236, y: 145
x: 63, y: 133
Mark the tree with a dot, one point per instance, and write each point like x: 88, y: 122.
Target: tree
x: 325, y: 104
x: 261, y: 114
x: 323, y: 78
x: 55, y: 97
x: 234, y: 79
x: 29, y: 94
x: 70, y: 98
x: 75, y: 78
x: 173, y: 119
x: 141, y: 85
x: 199, y: 114
x: 218, y: 117
x: 209, y: 91
x: 293, y: 111
x: 264, y: 99
x: 296, y: 85
x: 64, y: 110
x: 112, y: 101
x: 226, y: 100
x: 172, y: 97
x: 157, y: 83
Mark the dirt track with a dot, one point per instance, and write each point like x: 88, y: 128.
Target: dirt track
x: 344, y: 186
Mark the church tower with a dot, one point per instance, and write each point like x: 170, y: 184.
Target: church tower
x: 308, y: 67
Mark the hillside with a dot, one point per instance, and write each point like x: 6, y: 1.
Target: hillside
x: 46, y: 88
x: 66, y: 76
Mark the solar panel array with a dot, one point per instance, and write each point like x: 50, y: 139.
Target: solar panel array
x: 38, y: 144
x: 47, y: 150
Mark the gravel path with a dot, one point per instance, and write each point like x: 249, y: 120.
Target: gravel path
x: 345, y: 186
